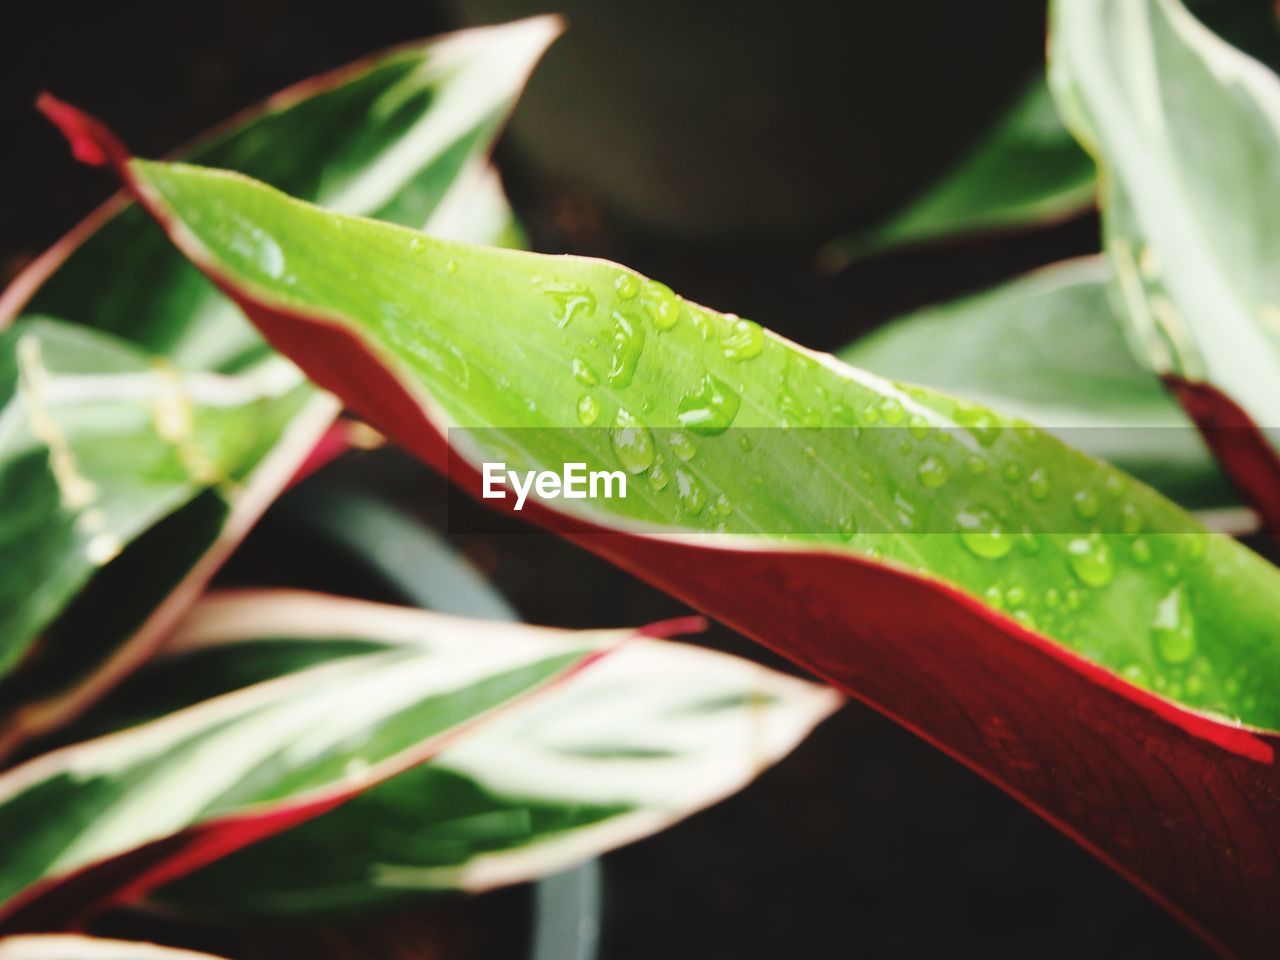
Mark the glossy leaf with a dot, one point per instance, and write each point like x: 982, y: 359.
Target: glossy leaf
x: 71, y: 947
x: 1108, y: 587
x: 1049, y: 348
x: 652, y: 733
x: 402, y: 135
x: 1187, y: 129
x: 108, y: 818
x: 1026, y: 170
x: 99, y: 443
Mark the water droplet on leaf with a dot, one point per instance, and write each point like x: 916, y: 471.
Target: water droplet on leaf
x: 626, y: 285
x: 1090, y: 560
x: 982, y: 533
x: 689, y: 492
x: 632, y: 443
x: 711, y: 408
x: 628, y: 345
x: 1173, y: 628
x: 744, y: 340
x: 932, y: 471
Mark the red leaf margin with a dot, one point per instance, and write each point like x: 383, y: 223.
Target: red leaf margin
x: 319, y: 436
x: 1183, y: 804
x: 1237, y: 442
x: 71, y: 900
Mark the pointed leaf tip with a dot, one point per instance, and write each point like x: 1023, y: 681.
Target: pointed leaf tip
x: 92, y: 142
x: 675, y: 627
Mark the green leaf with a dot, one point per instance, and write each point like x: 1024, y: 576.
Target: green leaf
x: 1187, y: 129
x: 402, y: 135
x: 71, y: 947
x: 87, y: 822
x: 651, y: 734
x: 99, y: 441
x: 1004, y: 595
x: 1049, y: 348
x: 1024, y: 171
x: 460, y: 324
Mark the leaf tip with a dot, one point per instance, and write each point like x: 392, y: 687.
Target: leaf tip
x: 90, y: 139
x: 678, y: 626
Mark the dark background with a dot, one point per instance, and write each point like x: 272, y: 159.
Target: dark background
x: 713, y: 145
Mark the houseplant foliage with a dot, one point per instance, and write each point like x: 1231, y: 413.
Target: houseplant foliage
x: 1040, y: 615
x: 413, y: 128
x: 146, y: 427
x: 1035, y: 610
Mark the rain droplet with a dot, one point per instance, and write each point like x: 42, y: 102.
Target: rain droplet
x: 416, y: 244
x: 975, y: 465
x: 1141, y: 550
x: 1013, y: 472
x: 660, y: 304
x: 682, y: 446
x: 848, y: 526
x: 588, y: 409
x: 932, y: 471
x: 1086, y: 504
x: 1038, y: 484
x: 626, y: 285
x: 795, y: 413
x: 1090, y: 560
x: 257, y: 246
x: 984, y: 427
x: 743, y: 341
x: 710, y: 409
x: 628, y: 345
x: 1173, y: 628
x: 982, y: 533
x: 700, y: 322
x: 632, y: 443
x: 658, y: 477
x: 891, y: 411
x: 571, y: 299
x: 689, y: 492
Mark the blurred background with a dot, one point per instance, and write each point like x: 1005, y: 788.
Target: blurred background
x: 714, y: 146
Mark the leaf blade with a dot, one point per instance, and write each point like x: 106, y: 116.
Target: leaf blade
x: 1188, y: 128
x: 111, y: 817
x: 1024, y: 171
x: 989, y: 690
x: 642, y: 739
x: 416, y: 127
x: 1047, y: 347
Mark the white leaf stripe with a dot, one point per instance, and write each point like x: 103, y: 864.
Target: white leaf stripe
x: 645, y: 737
x: 320, y: 733
x: 1188, y: 130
